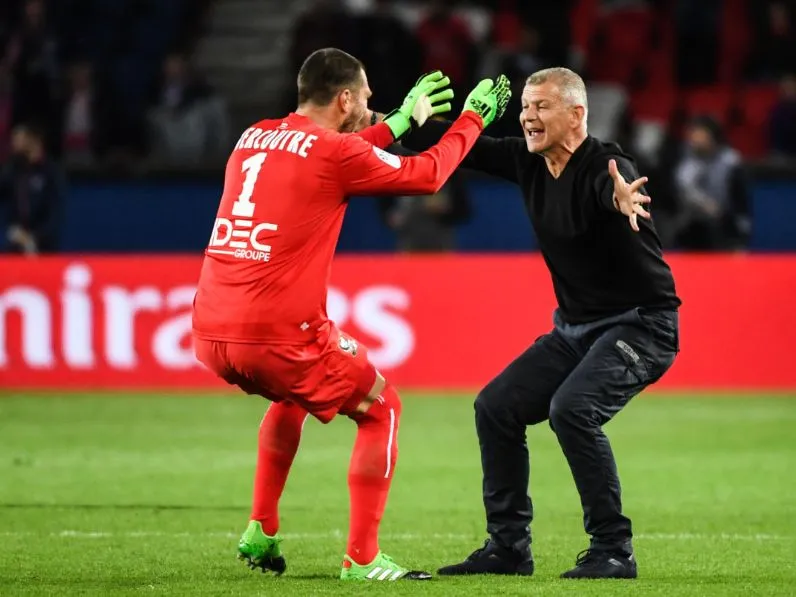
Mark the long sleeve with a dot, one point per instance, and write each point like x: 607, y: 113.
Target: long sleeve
x: 366, y: 169
x: 498, y: 157
x: 379, y: 135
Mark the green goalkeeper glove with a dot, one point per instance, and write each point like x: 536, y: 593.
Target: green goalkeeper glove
x: 428, y: 97
x: 489, y: 99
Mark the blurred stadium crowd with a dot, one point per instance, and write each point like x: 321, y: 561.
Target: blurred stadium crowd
x: 698, y: 90
x: 89, y: 73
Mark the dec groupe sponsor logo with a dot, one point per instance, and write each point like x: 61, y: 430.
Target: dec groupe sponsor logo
x: 240, y: 237
x: 85, y: 324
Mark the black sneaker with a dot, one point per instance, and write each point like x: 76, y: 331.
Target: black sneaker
x: 492, y: 559
x: 594, y: 563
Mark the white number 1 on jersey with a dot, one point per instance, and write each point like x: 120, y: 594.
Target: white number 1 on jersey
x: 243, y: 207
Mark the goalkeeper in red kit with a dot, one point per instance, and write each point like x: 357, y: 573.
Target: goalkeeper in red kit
x: 259, y: 319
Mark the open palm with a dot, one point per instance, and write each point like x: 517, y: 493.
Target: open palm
x: 627, y: 197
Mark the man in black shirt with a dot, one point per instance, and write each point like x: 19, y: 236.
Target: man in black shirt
x: 32, y: 190
x: 615, y: 329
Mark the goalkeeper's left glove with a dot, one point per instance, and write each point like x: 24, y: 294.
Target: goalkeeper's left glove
x: 489, y: 99
x: 428, y: 97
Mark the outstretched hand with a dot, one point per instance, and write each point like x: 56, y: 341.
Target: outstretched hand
x: 489, y: 99
x: 627, y: 198
x: 430, y: 96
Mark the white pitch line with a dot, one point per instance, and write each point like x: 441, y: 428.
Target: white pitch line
x: 711, y: 536
x: 339, y: 534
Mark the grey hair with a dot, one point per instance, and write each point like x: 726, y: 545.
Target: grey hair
x: 569, y: 83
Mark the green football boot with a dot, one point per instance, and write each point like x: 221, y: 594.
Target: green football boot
x: 259, y: 550
x: 382, y: 568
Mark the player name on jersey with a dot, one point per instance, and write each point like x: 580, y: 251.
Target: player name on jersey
x: 281, y: 138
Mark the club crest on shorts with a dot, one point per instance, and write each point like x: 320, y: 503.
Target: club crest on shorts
x: 348, y: 345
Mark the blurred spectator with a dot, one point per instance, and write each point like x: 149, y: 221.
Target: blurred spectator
x: 714, y: 212
x: 608, y: 108
x: 774, y: 50
x: 526, y: 58
x: 181, y: 87
x: 390, y: 54
x: 6, y: 111
x: 189, y: 122
x: 427, y: 223
x: 9, y: 12
x: 447, y: 44
x: 32, y: 190
x: 32, y: 53
x: 517, y: 62
x: 97, y: 110
x: 782, y: 129
x: 659, y: 162
x: 506, y: 23
x: 81, y: 118
x: 697, y: 31
x: 552, y: 21
x: 621, y: 4
x: 193, y: 22
x: 324, y: 24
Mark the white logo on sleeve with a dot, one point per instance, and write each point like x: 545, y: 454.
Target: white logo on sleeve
x: 388, y: 158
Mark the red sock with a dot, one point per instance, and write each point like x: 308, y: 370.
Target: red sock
x: 370, y: 473
x: 280, y: 432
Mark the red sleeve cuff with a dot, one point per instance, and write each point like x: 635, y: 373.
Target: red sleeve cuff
x: 380, y: 135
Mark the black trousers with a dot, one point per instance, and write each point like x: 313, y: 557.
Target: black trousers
x: 577, y: 377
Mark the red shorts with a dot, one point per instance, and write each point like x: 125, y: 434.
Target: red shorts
x: 332, y: 375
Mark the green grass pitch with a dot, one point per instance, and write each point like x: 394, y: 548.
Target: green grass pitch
x: 147, y: 495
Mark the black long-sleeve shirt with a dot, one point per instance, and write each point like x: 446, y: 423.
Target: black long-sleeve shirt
x: 599, y: 265
x: 32, y: 195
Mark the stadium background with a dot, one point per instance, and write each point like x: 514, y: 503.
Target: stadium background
x: 141, y: 100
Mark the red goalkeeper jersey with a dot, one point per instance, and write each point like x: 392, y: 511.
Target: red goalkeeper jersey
x: 266, y: 268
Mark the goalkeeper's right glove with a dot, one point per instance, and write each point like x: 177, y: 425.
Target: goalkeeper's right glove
x: 428, y: 97
x: 489, y: 99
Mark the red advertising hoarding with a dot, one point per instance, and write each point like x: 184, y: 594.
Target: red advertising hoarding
x: 436, y: 322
